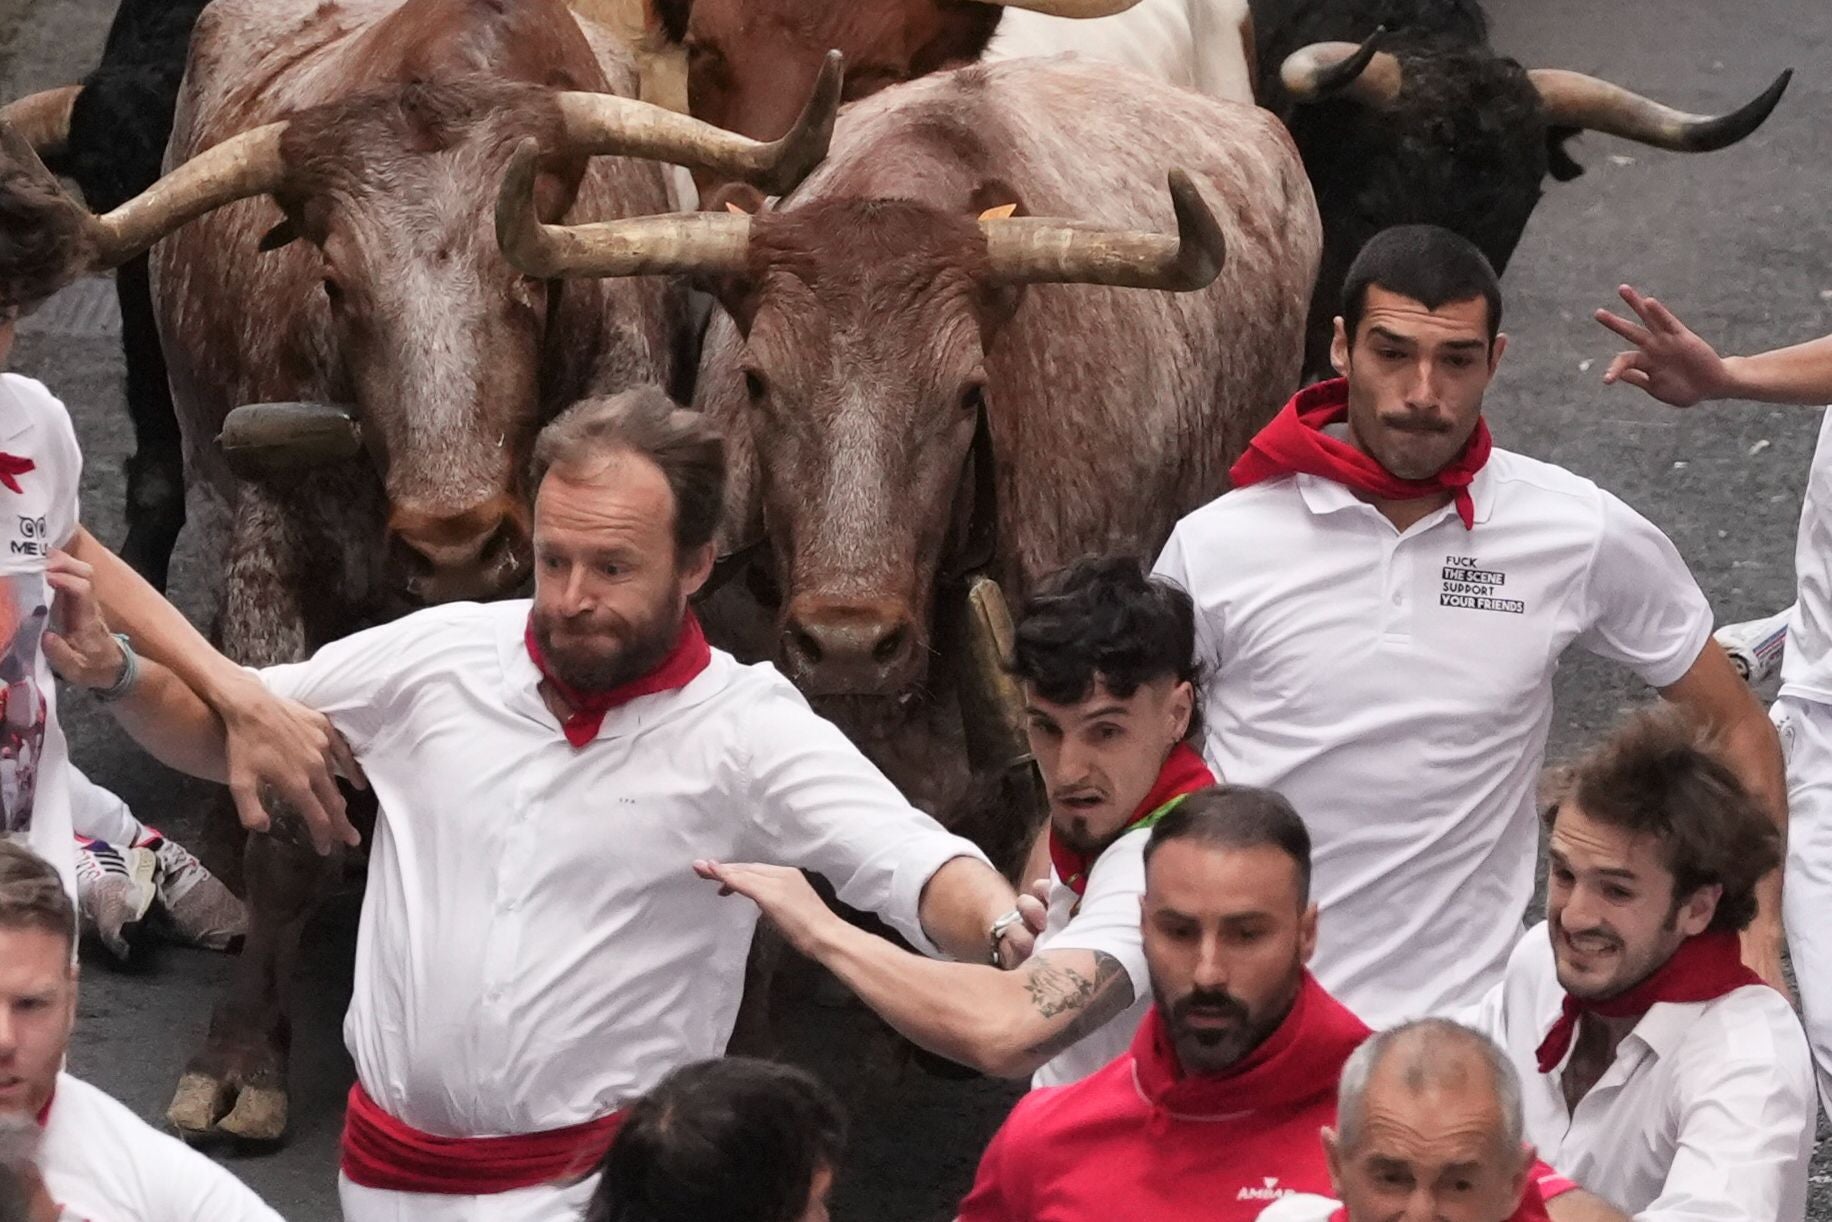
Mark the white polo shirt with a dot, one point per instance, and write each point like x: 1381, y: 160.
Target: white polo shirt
x: 1198, y: 44
x: 40, y: 517
x: 534, y: 948
x: 1397, y: 688
x: 102, y: 1163
x: 1707, y: 1112
x: 1304, y: 1207
x: 1104, y: 918
x: 1806, y: 666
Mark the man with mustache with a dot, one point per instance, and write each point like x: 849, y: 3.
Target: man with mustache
x: 535, y: 950
x: 1213, y: 1112
x: 1104, y: 657
x: 1660, y: 1073
x: 1381, y: 603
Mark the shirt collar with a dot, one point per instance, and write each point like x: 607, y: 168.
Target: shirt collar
x: 1325, y: 496
x: 16, y: 418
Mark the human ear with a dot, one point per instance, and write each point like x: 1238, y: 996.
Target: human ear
x: 1339, y: 348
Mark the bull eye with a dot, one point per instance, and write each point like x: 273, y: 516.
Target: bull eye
x: 973, y: 399
x: 754, y: 386
x: 333, y: 292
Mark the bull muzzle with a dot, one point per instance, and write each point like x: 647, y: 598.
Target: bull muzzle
x: 265, y: 440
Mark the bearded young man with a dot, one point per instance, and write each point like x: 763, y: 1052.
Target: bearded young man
x: 95, y: 1158
x: 1103, y: 655
x: 1213, y: 1113
x: 1381, y: 603
x: 1661, y: 1074
x: 535, y: 950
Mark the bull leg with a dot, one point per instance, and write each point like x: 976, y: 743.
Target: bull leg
x: 155, y: 472
x: 236, y: 1085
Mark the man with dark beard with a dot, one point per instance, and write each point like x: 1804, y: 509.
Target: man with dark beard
x: 535, y: 950
x: 1103, y: 655
x: 1214, y: 1112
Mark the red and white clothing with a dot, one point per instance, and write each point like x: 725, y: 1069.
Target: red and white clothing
x: 40, y: 470
x: 1707, y: 1112
x: 535, y: 950
x: 102, y: 1163
x: 1199, y: 44
x: 1141, y: 1140
x: 1096, y: 908
x: 1397, y: 688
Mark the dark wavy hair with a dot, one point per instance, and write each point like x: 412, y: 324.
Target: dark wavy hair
x: 41, y: 237
x: 735, y: 1139
x: 1103, y: 618
x: 1657, y: 774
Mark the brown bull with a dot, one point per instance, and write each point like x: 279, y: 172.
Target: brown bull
x: 338, y: 164
x: 914, y: 393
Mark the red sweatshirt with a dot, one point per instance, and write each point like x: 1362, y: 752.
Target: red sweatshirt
x: 1139, y: 1140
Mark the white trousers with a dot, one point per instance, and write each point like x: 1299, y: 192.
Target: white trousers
x: 100, y: 814
x: 541, y: 1204
x: 1806, y: 738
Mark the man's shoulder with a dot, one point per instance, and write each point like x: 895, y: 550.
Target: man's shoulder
x: 105, y: 1128
x: 1049, y: 1116
x: 1748, y: 1027
x: 1240, y: 508
x: 34, y: 397
x: 1520, y: 476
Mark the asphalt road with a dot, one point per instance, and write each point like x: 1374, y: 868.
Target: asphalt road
x: 1738, y: 242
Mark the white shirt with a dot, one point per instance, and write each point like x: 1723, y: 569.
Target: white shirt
x: 1198, y: 44
x: 1107, y: 921
x: 1301, y: 1208
x: 102, y: 1163
x: 41, y: 517
x: 1707, y: 1113
x: 1398, y: 690
x: 1806, y: 666
x: 534, y: 948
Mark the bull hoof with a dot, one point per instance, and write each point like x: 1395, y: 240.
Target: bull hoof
x: 197, y: 1103
x: 259, y: 1115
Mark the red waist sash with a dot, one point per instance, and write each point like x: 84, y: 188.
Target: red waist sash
x: 381, y: 1152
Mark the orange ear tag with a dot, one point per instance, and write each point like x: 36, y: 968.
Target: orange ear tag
x: 1002, y: 212
x: 734, y: 208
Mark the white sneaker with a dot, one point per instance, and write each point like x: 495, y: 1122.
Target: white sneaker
x: 203, y: 911
x: 114, y: 891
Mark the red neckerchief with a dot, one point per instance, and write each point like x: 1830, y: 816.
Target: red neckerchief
x: 44, y: 1113
x: 11, y: 468
x: 684, y: 662
x: 1183, y: 773
x: 1297, y: 1064
x: 1704, y: 968
x: 1295, y: 442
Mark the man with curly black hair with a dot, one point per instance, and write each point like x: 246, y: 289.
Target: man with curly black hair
x: 1104, y: 656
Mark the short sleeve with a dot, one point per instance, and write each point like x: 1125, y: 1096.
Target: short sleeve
x: 1644, y: 608
x: 1174, y: 566
x: 1107, y: 920
x: 354, y: 680
x: 66, y: 511
x: 196, y: 1188
x: 823, y: 806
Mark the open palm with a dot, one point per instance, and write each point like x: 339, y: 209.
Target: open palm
x: 1668, y: 360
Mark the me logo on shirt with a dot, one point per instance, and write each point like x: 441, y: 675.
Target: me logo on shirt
x: 1473, y: 588
x: 1269, y: 1191
x: 34, y: 538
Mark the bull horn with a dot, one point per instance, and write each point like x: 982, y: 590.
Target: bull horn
x: 687, y: 243
x: 603, y: 123
x: 1067, y: 8
x: 260, y: 439
x: 1360, y: 72
x: 43, y: 119
x: 1035, y: 250
x: 1572, y: 99
x: 244, y: 165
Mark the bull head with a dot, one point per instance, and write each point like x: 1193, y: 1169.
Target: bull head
x: 1363, y: 73
x: 872, y: 467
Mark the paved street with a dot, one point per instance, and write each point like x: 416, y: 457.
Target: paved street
x: 1739, y: 243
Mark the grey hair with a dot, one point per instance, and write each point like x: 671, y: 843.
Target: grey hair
x: 1430, y: 1046
x: 685, y: 444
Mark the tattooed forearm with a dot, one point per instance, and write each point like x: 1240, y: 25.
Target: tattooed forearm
x: 1056, y: 990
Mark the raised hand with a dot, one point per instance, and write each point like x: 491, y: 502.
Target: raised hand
x: 1668, y: 361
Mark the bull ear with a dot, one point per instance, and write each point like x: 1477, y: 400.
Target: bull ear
x: 283, y: 234
x: 956, y: 34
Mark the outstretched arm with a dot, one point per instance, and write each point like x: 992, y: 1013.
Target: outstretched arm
x: 1673, y: 364
x: 1002, y: 1023
x: 271, y: 743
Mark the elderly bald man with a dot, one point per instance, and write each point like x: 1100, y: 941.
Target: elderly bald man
x: 1429, y: 1128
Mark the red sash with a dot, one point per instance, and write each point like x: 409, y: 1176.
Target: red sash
x: 690, y: 655
x: 1183, y: 773
x: 384, y: 1153
x: 1295, y: 442
x: 11, y: 468
x: 1704, y: 968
